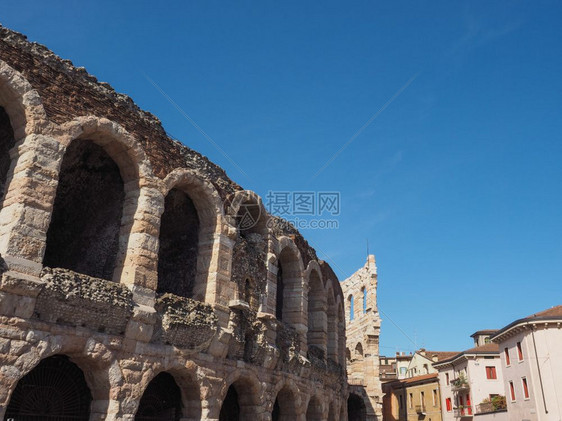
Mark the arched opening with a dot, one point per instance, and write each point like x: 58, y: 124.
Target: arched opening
x: 241, y: 401
x: 230, y: 409
x: 348, y: 355
x: 54, y: 390
x: 359, y: 351
x: 284, y: 407
x: 7, y: 142
x: 179, y: 245
x: 279, y: 304
x: 364, y: 300
x: 332, y: 327
x: 314, y: 410
x: 84, y: 232
x: 356, y: 410
x: 161, y: 400
x: 250, y: 219
x: 317, y: 315
x: 289, y: 288
x: 351, y: 308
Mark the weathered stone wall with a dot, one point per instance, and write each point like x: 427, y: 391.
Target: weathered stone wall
x: 363, y: 330
x: 119, y: 330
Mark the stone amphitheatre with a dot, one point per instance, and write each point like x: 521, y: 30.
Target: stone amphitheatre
x: 128, y: 291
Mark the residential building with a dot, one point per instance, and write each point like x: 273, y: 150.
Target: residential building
x: 532, y: 367
x: 387, y: 368
x: 422, y: 362
x: 412, y: 399
x: 472, y: 384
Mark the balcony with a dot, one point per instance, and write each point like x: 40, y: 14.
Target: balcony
x: 460, y: 383
x: 463, y: 412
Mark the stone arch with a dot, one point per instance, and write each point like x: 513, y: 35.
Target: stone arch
x: 358, y: 351
x: 332, y: 347
x: 287, y: 402
x: 247, y: 213
x: 203, y: 200
x: 21, y: 102
x: 356, y: 409
x: 290, y: 295
x: 55, y: 388
x: 317, y: 309
x: 97, y: 363
x: 95, y: 203
x: 315, y: 410
x: 26, y: 172
x: 241, y: 397
x: 350, y: 304
x: 167, y: 382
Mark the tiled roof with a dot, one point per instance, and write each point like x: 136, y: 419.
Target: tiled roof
x: 555, y: 311
x: 420, y: 378
x: 441, y: 355
x: 490, y: 348
x: 484, y: 332
x: 550, y: 313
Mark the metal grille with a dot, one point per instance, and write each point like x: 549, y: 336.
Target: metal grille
x: 55, y: 390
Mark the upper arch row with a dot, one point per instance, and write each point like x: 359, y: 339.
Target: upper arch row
x: 36, y: 158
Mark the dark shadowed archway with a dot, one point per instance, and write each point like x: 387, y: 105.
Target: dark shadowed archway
x: 230, y: 409
x: 284, y: 406
x: 7, y: 142
x: 161, y: 400
x: 356, y: 410
x: 54, y: 390
x: 84, y: 232
x: 179, y: 244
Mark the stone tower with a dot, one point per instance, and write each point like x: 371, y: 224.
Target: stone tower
x: 362, y: 351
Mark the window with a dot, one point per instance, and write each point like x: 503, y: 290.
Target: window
x: 512, y: 391
x: 447, y: 378
x: 403, y: 371
x: 449, y: 404
x: 491, y: 373
x: 519, y: 351
x: 411, y: 399
x: 351, y: 309
x: 422, y: 399
x: 425, y: 369
x: 507, y: 359
x: 525, y: 388
x: 434, y: 397
x: 364, y: 300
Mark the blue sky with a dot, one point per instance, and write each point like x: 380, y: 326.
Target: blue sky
x: 455, y: 183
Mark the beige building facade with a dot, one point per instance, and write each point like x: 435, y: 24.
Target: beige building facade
x: 362, y: 351
x: 137, y: 280
x: 532, y: 368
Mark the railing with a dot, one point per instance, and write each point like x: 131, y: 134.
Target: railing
x: 459, y: 385
x: 420, y: 409
x: 485, y: 407
x: 465, y: 411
